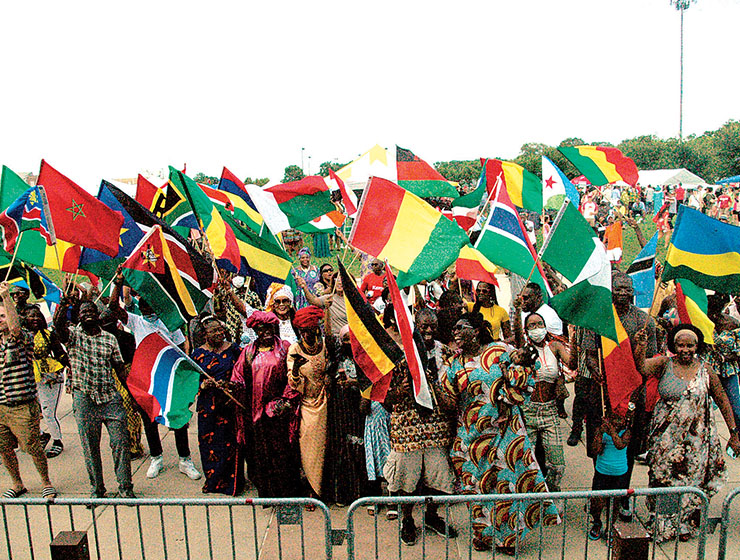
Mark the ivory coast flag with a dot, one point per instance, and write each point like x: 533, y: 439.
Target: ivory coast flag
x: 398, y: 226
x: 602, y: 164
x: 622, y: 377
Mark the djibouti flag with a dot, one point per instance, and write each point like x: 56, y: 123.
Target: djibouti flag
x: 556, y: 186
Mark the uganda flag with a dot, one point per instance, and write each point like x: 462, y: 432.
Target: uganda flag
x: 166, y: 278
x: 373, y: 349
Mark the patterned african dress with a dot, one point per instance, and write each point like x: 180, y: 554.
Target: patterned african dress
x: 491, y: 453
x: 220, y: 454
x: 684, y: 448
x: 311, y: 276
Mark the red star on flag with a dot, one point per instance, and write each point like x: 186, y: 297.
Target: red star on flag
x: 549, y: 183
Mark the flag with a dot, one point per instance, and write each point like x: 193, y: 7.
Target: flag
x: 146, y: 192
x: 705, y: 251
x: 601, y: 164
x: 642, y: 272
x: 137, y: 221
x: 166, y: 278
x: 164, y: 381
x: 525, y: 188
x: 373, y: 349
x: 349, y: 199
x: 692, y: 306
x: 25, y: 213
x: 556, y: 187
x: 261, y: 260
x: 220, y: 237
x: 466, y: 208
x: 504, y: 242
x: 231, y: 184
x: 405, y: 323
x: 22, y: 275
x: 417, y: 176
x: 77, y: 216
x: 327, y: 223
x: 396, y: 225
x: 574, y: 250
x: 622, y: 377
x: 471, y: 264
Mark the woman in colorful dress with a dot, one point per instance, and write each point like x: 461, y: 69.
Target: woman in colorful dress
x: 270, y: 424
x: 221, y: 456
x: 308, y: 273
x: 684, y: 448
x: 279, y: 300
x: 491, y: 452
x: 308, y: 362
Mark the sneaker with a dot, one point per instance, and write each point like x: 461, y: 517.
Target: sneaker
x: 127, y: 494
x: 641, y: 458
x: 595, y: 533
x: 438, y: 525
x: 44, y: 438
x: 625, y: 514
x: 574, y: 439
x: 155, y: 467
x: 55, y: 450
x: 188, y: 468
x: 392, y: 513
x: 408, y: 531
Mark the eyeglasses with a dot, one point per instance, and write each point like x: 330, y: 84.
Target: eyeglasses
x: 282, y: 302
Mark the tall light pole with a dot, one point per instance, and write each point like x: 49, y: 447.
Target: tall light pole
x: 303, y: 169
x: 681, y: 6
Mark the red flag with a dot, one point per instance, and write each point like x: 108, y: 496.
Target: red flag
x: 78, y: 216
x: 406, y: 329
x: 348, y: 197
x: 622, y: 377
x: 146, y: 192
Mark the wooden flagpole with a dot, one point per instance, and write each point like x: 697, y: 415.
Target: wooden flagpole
x: 12, y: 260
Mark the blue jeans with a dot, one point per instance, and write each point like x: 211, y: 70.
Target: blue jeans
x: 732, y: 390
x: 90, y: 418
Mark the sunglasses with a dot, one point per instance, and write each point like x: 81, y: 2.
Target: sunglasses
x: 282, y: 302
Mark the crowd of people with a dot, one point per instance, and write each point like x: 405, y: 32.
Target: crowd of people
x: 281, y: 405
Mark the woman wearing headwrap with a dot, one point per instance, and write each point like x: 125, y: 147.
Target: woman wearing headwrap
x: 271, y: 417
x: 684, y: 448
x: 306, y: 275
x: 344, y: 470
x: 220, y: 454
x: 279, y: 300
x: 307, y: 374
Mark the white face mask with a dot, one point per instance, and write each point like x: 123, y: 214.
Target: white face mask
x: 537, y: 335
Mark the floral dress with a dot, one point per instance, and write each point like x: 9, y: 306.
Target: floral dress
x: 311, y: 276
x: 491, y: 453
x: 683, y: 447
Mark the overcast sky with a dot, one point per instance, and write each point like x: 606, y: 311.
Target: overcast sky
x: 108, y: 90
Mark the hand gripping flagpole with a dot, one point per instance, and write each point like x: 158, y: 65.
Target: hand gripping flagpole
x: 546, y: 242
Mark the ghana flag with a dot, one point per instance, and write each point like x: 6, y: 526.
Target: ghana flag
x: 601, y: 164
x: 373, y: 349
x: 705, y: 251
x: 398, y: 226
x: 525, y: 188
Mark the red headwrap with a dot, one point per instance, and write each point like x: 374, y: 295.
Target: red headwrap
x: 308, y: 317
x: 261, y: 318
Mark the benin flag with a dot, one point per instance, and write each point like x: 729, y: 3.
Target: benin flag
x: 525, y: 188
x: 601, y: 164
x: 399, y: 227
x: 166, y: 278
x: 373, y: 349
x: 621, y: 373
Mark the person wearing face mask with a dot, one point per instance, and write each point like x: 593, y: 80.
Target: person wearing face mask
x: 540, y: 412
x: 141, y: 326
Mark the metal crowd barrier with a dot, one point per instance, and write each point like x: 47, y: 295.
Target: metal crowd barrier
x: 208, y: 528
x: 544, y: 542
x: 725, y: 526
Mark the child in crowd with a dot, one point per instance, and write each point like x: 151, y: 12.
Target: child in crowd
x: 611, y: 442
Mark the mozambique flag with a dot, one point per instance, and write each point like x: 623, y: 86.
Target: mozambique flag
x: 398, y: 226
x: 261, y: 260
x: 167, y: 279
x: 373, y: 349
x: 417, y: 176
x: 220, y: 236
x: 705, y: 251
x: 146, y: 192
x: 602, y: 165
x: 692, y: 306
x: 525, y: 188
x: 622, y: 377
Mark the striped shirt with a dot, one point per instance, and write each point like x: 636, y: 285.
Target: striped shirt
x: 17, y: 382
x: 92, y: 358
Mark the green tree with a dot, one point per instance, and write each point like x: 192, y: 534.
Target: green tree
x: 464, y: 172
x: 261, y: 182
x: 293, y: 173
x: 324, y: 167
x: 205, y: 179
x: 727, y: 142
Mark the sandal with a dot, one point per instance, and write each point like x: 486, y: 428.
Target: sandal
x: 11, y: 493
x: 55, y: 450
x: 49, y: 492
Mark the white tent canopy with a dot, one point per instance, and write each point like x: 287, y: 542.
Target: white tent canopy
x: 661, y: 177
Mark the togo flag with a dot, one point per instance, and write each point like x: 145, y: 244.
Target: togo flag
x: 164, y: 381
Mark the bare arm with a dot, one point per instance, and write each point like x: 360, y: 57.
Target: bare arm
x: 11, y: 314
x: 720, y: 397
x: 113, y: 305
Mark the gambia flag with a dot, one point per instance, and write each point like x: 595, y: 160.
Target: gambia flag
x: 164, y: 381
x: 398, y: 226
x: 601, y: 164
x: 166, y: 277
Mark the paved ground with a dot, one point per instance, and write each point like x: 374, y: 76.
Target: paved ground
x: 257, y: 529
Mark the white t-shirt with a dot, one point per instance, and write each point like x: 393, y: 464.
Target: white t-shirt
x: 553, y: 323
x: 140, y: 328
